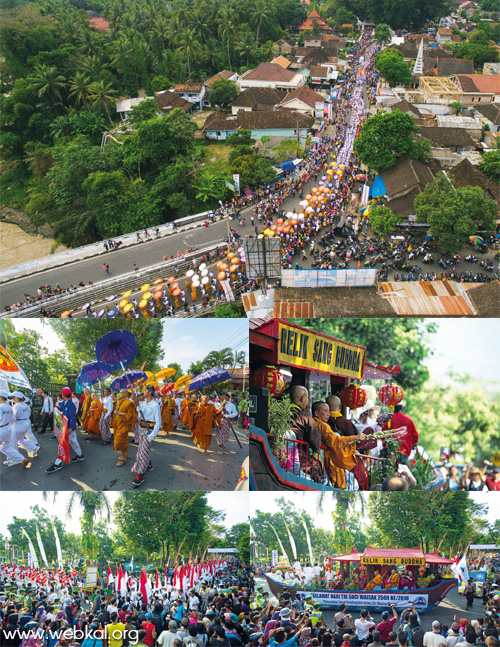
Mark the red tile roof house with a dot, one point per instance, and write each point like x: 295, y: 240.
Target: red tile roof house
x: 314, y: 19
x: 273, y: 123
x: 271, y: 75
x: 192, y: 92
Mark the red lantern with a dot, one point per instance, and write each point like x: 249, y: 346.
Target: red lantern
x: 268, y: 377
x: 391, y: 395
x: 353, y: 396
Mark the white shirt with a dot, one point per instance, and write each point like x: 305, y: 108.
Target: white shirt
x: 363, y: 627
x: 152, y: 413
x: 178, y: 402
x: 76, y: 402
x: 230, y: 410
x: 317, y: 570
x: 432, y: 639
x: 5, y: 414
x: 107, y: 403
x: 48, y: 405
x: 20, y: 416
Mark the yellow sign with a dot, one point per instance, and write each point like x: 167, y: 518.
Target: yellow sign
x: 495, y: 459
x: 318, y: 353
x: 393, y: 561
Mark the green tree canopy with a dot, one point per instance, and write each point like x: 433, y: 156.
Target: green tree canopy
x: 393, y: 67
x: 384, y: 220
x: 388, y: 342
x: 490, y: 164
x: 223, y: 91
x: 80, y: 335
x: 382, y: 33
x: 454, y: 214
x: 143, y: 111
x: 422, y: 519
x: 385, y: 137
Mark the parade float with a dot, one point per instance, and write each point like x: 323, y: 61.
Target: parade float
x: 284, y: 354
x: 427, y: 588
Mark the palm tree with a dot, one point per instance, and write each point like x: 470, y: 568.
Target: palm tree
x: 261, y: 15
x: 226, y: 28
x: 267, y: 50
x: 95, y: 505
x: 239, y: 358
x: 219, y: 358
x: 346, y: 503
x: 102, y: 95
x: 48, y: 83
x: 245, y: 46
x: 80, y: 89
x: 88, y: 43
x: 122, y: 55
x: 189, y: 46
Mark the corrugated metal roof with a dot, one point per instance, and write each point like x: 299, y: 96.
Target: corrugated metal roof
x: 429, y: 298
x: 292, y: 310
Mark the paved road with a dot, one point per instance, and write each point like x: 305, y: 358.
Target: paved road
x: 177, y: 464
x: 453, y: 604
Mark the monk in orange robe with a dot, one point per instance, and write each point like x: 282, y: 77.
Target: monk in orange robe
x: 393, y: 582
x: 377, y: 581
x: 167, y: 420
x: 93, y: 416
x: 86, y: 404
x: 337, y: 457
x: 124, y: 420
x: 185, y: 412
x: 205, y: 417
x: 192, y: 407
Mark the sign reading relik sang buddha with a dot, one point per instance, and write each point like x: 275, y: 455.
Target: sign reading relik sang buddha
x: 300, y: 347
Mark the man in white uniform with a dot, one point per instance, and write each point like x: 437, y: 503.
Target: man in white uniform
x: 104, y: 422
x: 14, y: 456
x: 21, y: 424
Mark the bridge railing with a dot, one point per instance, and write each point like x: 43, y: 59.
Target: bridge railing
x: 98, y: 292
x: 95, y: 249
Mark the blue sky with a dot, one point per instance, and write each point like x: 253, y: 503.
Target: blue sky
x: 467, y: 346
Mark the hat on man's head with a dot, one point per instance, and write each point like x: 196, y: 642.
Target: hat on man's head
x: 66, y: 391
x: 17, y: 394
x: 4, y: 394
x: 284, y: 613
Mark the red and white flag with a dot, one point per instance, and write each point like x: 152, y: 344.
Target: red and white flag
x: 145, y: 587
x: 110, y: 579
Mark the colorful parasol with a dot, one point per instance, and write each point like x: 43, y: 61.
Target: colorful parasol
x: 166, y: 388
x: 165, y: 373
x: 95, y: 372
x: 207, y: 378
x: 182, y: 381
x: 65, y: 314
x: 476, y: 239
x: 133, y: 377
x: 117, y: 348
x: 127, y: 294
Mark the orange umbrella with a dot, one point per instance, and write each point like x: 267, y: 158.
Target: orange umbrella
x: 158, y: 295
x: 176, y: 292
x: 174, y: 286
x: 233, y: 268
x: 159, y: 286
x: 156, y: 281
x: 223, y: 266
x: 165, y: 373
x: 230, y: 255
x: 170, y: 279
x: 65, y: 314
x: 221, y: 276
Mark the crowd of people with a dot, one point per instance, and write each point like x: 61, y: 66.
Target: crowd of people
x: 211, y: 611
x: 471, y: 478
x: 110, y: 417
x: 300, y: 621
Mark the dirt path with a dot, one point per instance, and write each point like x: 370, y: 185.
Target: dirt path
x: 16, y: 246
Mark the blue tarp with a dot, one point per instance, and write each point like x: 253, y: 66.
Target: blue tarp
x: 286, y: 166
x: 378, y: 187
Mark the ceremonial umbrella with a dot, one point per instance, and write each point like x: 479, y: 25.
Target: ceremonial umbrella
x: 166, y: 388
x: 95, y: 372
x: 207, y: 378
x: 86, y: 305
x: 127, y: 308
x: 117, y: 347
x: 111, y: 313
x: 128, y: 379
x: 122, y: 303
x: 156, y: 281
x: 145, y: 287
x: 127, y: 294
x: 165, y: 373
x: 65, y: 314
x: 147, y: 295
x: 476, y: 239
x: 100, y: 313
x: 111, y: 297
x: 182, y: 381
